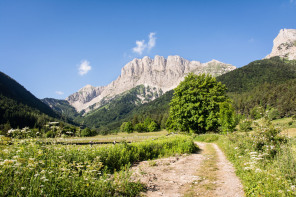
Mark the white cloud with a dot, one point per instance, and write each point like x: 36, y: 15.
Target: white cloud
x: 152, y: 40
x: 84, y: 67
x: 59, y: 92
x: 142, y: 46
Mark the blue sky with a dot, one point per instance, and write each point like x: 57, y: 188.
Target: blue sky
x: 55, y: 47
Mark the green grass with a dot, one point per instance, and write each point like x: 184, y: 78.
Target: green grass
x: 129, y: 137
x: 207, y: 137
x: 287, y: 125
x: 32, y: 168
x: 265, y: 160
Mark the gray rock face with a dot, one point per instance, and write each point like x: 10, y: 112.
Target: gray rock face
x: 284, y: 45
x: 160, y: 73
x: 83, y: 96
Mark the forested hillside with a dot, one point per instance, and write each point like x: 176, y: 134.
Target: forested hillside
x: 20, y: 108
x: 62, y: 107
x: 273, y: 71
x: 268, y: 83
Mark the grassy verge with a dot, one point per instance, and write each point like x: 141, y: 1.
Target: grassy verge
x: 32, y: 168
x: 264, y: 160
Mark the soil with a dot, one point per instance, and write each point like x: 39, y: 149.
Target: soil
x: 186, y: 175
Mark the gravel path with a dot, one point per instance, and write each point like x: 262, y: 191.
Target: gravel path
x: 173, y: 176
x: 228, y: 184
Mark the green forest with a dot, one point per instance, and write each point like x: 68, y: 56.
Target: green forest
x: 268, y: 84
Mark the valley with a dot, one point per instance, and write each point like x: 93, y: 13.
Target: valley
x: 164, y: 127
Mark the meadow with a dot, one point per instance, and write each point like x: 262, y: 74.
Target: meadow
x: 119, y: 137
x: 33, y: 168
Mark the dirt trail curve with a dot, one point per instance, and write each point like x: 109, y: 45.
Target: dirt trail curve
x: 206, y: 173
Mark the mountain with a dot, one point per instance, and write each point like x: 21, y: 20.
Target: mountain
x: 13, y: 90
x: 284, y: 45
x: 112, y: 113
x: 269, y: 83
x: 62, y: 107
x: 275, y: 70
x: 158, y: 73
x: 19, y: 107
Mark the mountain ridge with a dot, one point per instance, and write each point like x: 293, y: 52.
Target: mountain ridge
x: 284, y: 45
x: 160, y: 73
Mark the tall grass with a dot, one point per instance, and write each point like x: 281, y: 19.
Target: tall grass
x: 32, y: 168
x: 264, y: 160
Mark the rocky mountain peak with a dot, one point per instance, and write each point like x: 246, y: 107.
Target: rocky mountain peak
x: 159, y: 73
x: 284, y: 45
x: 84, y: 95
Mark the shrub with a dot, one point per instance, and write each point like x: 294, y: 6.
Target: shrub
x: 257, y: 112
x: 152, y: 126
x: 245, y: 125
x: 140, y: 127
x: 127, y: 127
x: 85, y: 132
x: 50, y: 134
x: 273, y: 114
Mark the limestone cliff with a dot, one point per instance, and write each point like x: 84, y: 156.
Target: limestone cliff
x: 284, y: 45
x: 158, y: 73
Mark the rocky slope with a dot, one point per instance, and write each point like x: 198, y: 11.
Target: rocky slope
x: 284, y: 45
x: 158, y: 73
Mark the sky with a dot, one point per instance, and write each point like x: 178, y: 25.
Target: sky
x: 55, y: 47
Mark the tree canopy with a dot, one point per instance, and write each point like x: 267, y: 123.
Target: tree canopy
x: 195, y: 106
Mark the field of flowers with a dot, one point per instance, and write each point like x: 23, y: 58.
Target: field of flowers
x: 33, y: 168
x: 264, y: 159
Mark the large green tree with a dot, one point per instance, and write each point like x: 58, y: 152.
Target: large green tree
x: 195, y: 106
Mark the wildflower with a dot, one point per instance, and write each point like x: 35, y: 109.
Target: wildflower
x: 258, y: 170
x: 23, y: 188
x: 5, y: 150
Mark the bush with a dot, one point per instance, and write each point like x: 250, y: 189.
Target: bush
x: 226, y: 117
x: 257, y: 112
x: 50, y: 134
x: 85, y: 132
x: 273, y: 114
x: 152, y: 126
x: 245, y: 125
x: 140, y: 127
x: 127, y: 127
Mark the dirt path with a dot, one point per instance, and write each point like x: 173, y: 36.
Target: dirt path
x: 206, y: 173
